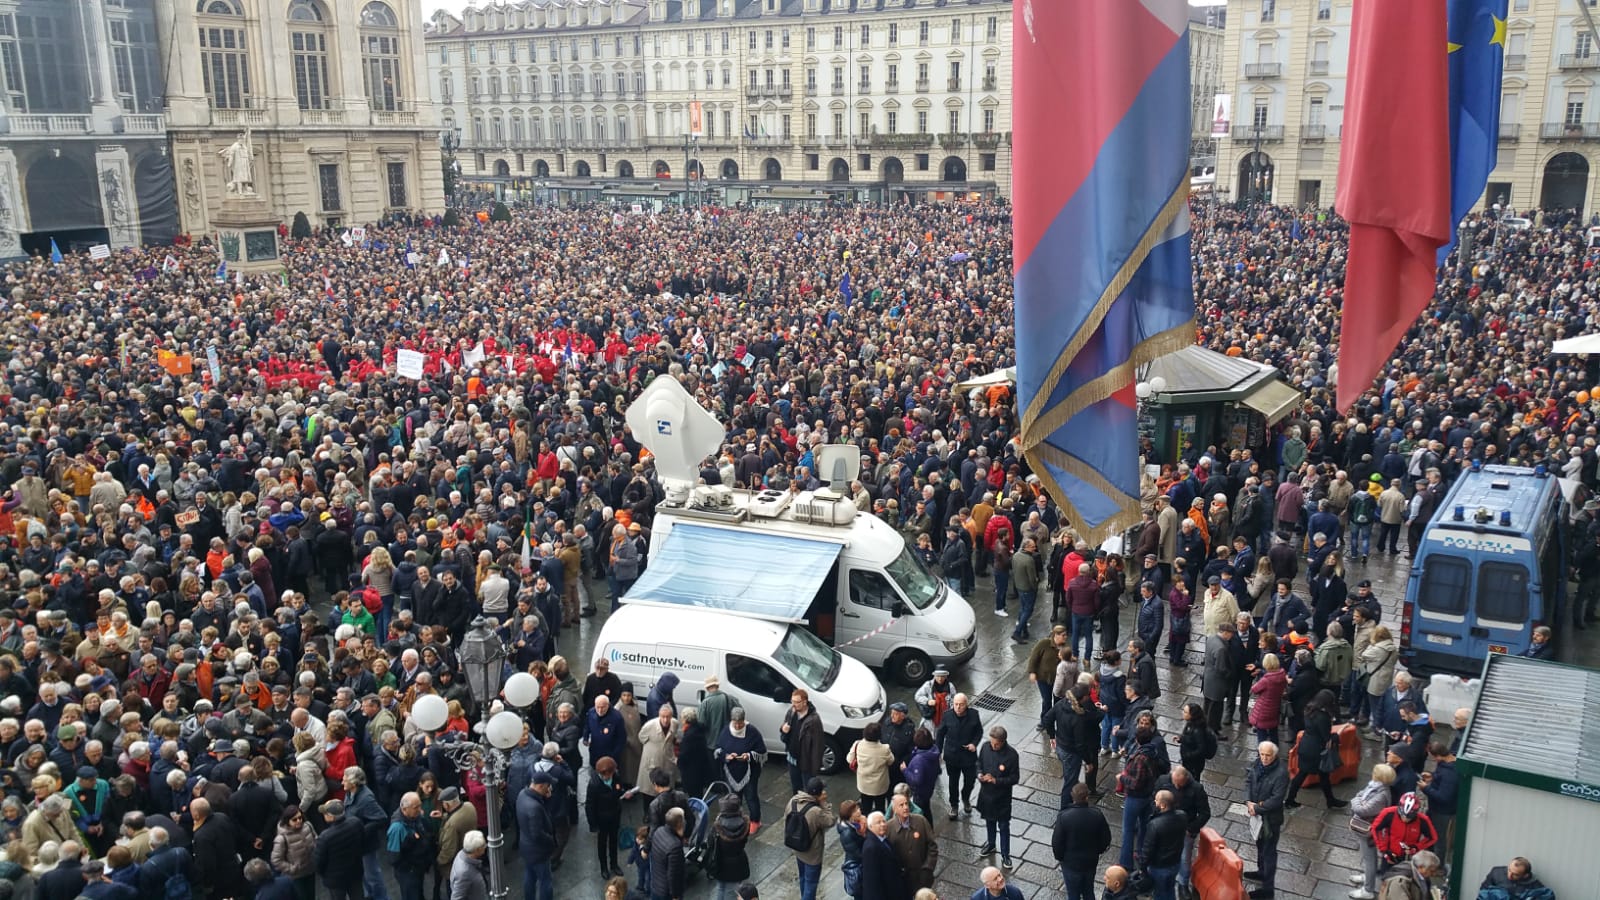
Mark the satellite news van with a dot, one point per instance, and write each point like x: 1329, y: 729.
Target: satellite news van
x: 1491, y: 567
x: 760, y: 663
x: 801, y: 557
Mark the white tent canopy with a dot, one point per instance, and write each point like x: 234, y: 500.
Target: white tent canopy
x: 1577, y: 346
x: 998, y: 376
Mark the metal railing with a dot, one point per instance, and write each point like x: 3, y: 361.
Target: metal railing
x: 143, y: 123
x: 1577, y: 61
x: 1570, y: 131
x: 1263, y: 70
x: 1267, y: 132
x: 1510, y: 131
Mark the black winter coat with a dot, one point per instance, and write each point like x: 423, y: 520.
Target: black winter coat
x: 731, y: 833
x: 994, y: 799
x: 669, y: 871
x: 338, y: 854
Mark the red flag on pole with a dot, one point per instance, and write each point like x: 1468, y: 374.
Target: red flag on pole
x: 1394, y: 179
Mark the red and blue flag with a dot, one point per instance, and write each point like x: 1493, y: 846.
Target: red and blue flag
x: 1101, y: 236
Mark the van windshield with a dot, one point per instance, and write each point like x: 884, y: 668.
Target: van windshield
x: 914, y: 579
x: 808, y: 658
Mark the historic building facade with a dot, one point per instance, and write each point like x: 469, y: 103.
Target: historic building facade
x: 83, y: 153
x: 902, y: 97
x: 1287, y: 59
x: 332, y: 93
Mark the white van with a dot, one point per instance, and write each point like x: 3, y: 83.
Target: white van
x: 758, y: 662
x: 803, y: 557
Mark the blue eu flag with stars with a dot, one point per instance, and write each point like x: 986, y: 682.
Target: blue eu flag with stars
x: 1477, y: 47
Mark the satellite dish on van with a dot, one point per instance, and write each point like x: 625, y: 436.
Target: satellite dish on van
x: 837, y: 464
x: 678, y: 431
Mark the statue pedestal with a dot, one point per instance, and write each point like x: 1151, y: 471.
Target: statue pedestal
x: 247, y: 235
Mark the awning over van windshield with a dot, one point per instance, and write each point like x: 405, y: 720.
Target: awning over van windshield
x: 765, y: 575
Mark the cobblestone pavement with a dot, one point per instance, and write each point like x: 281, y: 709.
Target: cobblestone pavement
x: 1318, y: 852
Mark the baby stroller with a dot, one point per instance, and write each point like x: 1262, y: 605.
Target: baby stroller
x: 698, y: 843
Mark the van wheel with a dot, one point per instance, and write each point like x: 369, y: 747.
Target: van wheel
x: 833, y: 755
x: 910, y: 667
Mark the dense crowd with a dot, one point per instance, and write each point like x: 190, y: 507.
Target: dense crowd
x: 237, y: 546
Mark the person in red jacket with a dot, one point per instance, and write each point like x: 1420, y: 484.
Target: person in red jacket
x: 1402, y: 830
x: 1082, y: 600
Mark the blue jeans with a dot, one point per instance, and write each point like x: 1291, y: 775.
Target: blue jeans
x: 1004, y: 827
x: 1188, y: 859
x: 1080, y: 885
x: 1071, y: 769
x: 1025, y: 603
x: 1108, y: 741
x: 1166, y: 879
x: 1083, y: 632
x: 797, y: 779
x: 809, y: 876
x: 1047, y: 699
x: 1135, y: 816
x: 1002, y: 580
x: 372, y: 877
x: 752, y: 796
x: 538, y: 883
x: 954, y: 583
x: 1361, y: 540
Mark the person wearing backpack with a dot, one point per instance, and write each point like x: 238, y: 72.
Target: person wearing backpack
x: 805, y: 820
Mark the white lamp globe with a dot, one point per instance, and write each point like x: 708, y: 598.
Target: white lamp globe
x: 504, y: 730
x: 1142, y: 390
x: 521, y: 690
x: 1158, y: 385
x: 430, y: 712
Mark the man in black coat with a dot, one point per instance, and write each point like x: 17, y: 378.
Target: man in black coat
x: 957, y: 739
x: 1081, y: 835
x: 255, y: 809
x: 1164, y: 838
x: 65, y: 881
x: 1188, y: 797
x: 339, y: 851
x: 216, y: 845
x: 881, y: 875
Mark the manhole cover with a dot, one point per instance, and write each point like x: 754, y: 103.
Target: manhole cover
x: 993, y: 702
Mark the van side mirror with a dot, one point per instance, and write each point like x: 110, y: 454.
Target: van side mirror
x: 898, y: 609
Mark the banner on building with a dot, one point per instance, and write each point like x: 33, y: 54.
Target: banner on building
x: 697, y: 120
x: 1222, y: 115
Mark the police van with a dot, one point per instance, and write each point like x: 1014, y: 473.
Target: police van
x: 1491, y: 567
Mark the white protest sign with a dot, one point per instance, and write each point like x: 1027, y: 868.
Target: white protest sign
x: 408, y: 364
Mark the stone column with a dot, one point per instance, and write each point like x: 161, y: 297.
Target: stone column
x: 13, y: 214
x: 118, y: 202
x: 97, y: 49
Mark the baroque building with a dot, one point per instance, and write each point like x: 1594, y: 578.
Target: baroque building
x: 875, y: 99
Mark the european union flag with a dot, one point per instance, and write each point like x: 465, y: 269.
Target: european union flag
x: 1477, y: 46
x: 846, y: 290
x: 55, y: 252
x: 1296, y: 233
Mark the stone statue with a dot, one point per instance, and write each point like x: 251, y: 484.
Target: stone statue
x: 238, y: 159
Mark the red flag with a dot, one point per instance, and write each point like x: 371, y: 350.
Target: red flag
x: 1394, y: 179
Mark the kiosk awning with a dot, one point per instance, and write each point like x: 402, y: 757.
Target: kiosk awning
x: 1274, y: 399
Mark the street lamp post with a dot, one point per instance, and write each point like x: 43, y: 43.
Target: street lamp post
x: 690, y: 143
x: 483, y: 656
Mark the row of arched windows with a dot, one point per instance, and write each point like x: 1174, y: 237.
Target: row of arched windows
x: 225, y: 54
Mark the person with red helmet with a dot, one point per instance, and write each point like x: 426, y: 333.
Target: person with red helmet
x: 1403, y: 829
